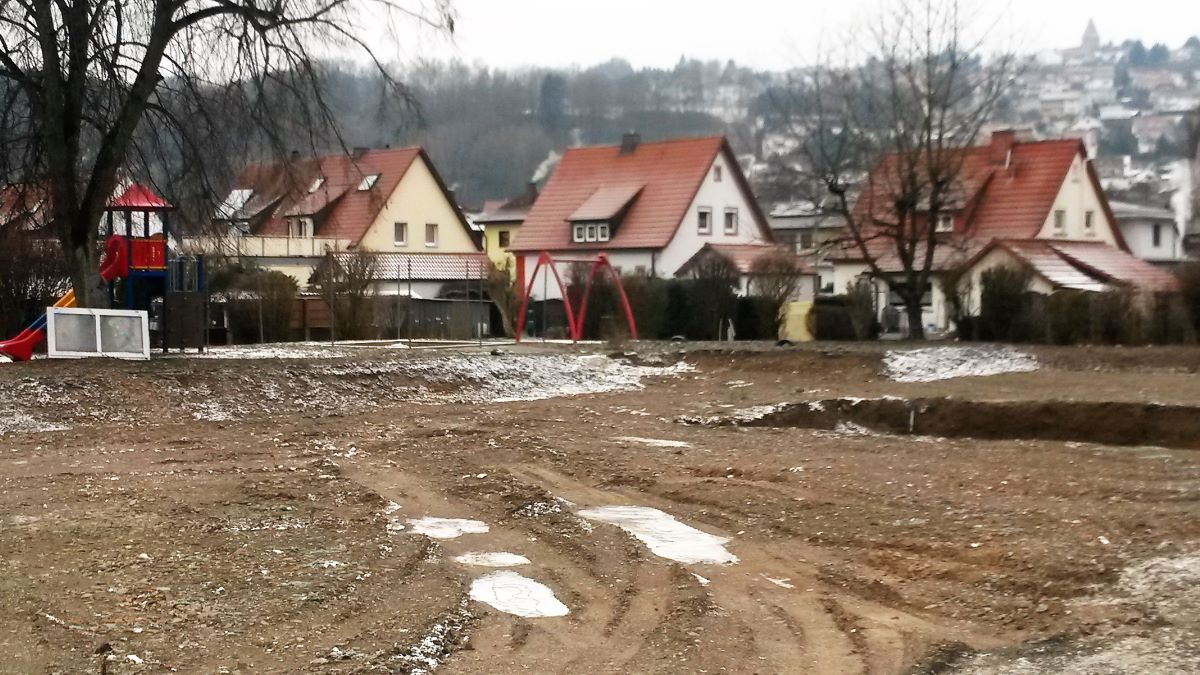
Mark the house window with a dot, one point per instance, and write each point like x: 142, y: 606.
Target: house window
x: 579, y: 233
x: 503, y: 238
x: 704, y: 220
x: 1157, y: 235
x: 400, y: 234
x: 1060, y: 221
x: 731, y: 221
x: 602, y: 232
x: 368, y: 182
x: 806, y: 240
x: 431, y: 234
x: 717, y: 173
x: 591, y: 233
x: 1089, y: 219
x: 945, y: 223
x: 300, y: 228
x: 316, y: 184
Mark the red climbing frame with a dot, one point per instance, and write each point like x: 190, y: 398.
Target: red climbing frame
x: 575, y: 321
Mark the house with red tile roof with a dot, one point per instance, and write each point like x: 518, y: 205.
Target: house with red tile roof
x: 1037, y: 204
x: 649, y: 207
x: 287, y: 216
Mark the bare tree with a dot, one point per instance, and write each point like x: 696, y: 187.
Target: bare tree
x: 775, y: 276
x: 89, y: 87
x: 347, y: 282
x: 502, y: 289
x: 880, y: 140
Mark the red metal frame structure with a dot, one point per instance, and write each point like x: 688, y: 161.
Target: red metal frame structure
x: 575, y: 320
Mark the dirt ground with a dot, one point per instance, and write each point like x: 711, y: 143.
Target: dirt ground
x: 250, y: 515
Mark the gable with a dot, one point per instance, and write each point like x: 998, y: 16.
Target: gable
x: 419, y: 198
x: 1076, y: 197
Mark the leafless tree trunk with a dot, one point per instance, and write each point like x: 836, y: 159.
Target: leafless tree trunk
x: 878, y: 140
x: 91, y: 87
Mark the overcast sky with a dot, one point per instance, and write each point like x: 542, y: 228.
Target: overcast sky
x: 769, y: 34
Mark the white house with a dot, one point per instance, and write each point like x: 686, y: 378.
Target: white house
x: 1150, y: 231
x: 1037, y: 198
x: 649, y: 207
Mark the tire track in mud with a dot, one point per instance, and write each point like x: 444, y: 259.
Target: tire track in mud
x: 605, y: 590
x: 787, y: 630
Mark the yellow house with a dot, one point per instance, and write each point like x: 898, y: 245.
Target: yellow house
x: 288, y: 216
x: 500, y: 223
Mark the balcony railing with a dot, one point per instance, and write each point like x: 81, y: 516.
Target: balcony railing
x: 254, y: 246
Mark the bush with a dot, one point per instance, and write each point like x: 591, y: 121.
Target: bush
x: 757, y: 318
x: 831, y: 319
x: 33, y: 274
x: 1003, y: 304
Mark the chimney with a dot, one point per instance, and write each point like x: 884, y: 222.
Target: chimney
x: 1001, y: 146
x: 531, y: 191
x: 295, y: 156
x: 629, y: 142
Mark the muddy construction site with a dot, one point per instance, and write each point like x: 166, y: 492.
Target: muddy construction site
x: 825, y: 509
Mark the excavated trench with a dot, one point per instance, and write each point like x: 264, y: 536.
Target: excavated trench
x: 1107, y: 423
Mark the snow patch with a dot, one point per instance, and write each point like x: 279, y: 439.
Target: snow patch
x: 942, y: 363
x: 492, y: 559
x: 665, y: 536
x: 654, y: 442
x: 512, y: 593
x: 446, y: 528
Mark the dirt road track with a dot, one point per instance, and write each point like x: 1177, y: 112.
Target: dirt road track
x: 261, y: 543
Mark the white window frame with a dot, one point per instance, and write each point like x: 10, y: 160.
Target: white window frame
x: 403, y: 239
x: 434, y: 242
x: 945, y: 223
x: 368, y: 182
x: 591, y: 232
x: 1060, y: 220
x: 728, y: 227
x: 703, y: 227
x: 300, y: 228
x: 602, y: 232
x: 52, y: 339
x: 577, y: 233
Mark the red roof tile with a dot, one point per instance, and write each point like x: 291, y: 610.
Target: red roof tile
x: 606, y: 203
x: 280, y: 190
x: 669, y: 171
x: 998, y: 196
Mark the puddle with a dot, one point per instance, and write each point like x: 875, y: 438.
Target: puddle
x: 446, y: 528
x: 653, y: 442
x: 1101, y: 422
x: 512, y: 593
x: 665, y: 536
x: 492, y: 559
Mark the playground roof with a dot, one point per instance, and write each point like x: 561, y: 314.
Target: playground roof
x: 138, y: 197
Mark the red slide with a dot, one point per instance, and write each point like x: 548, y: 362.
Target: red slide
x: 115, y: 266
x: 116, y: 259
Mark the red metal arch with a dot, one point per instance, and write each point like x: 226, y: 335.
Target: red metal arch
x: 575, y: 320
